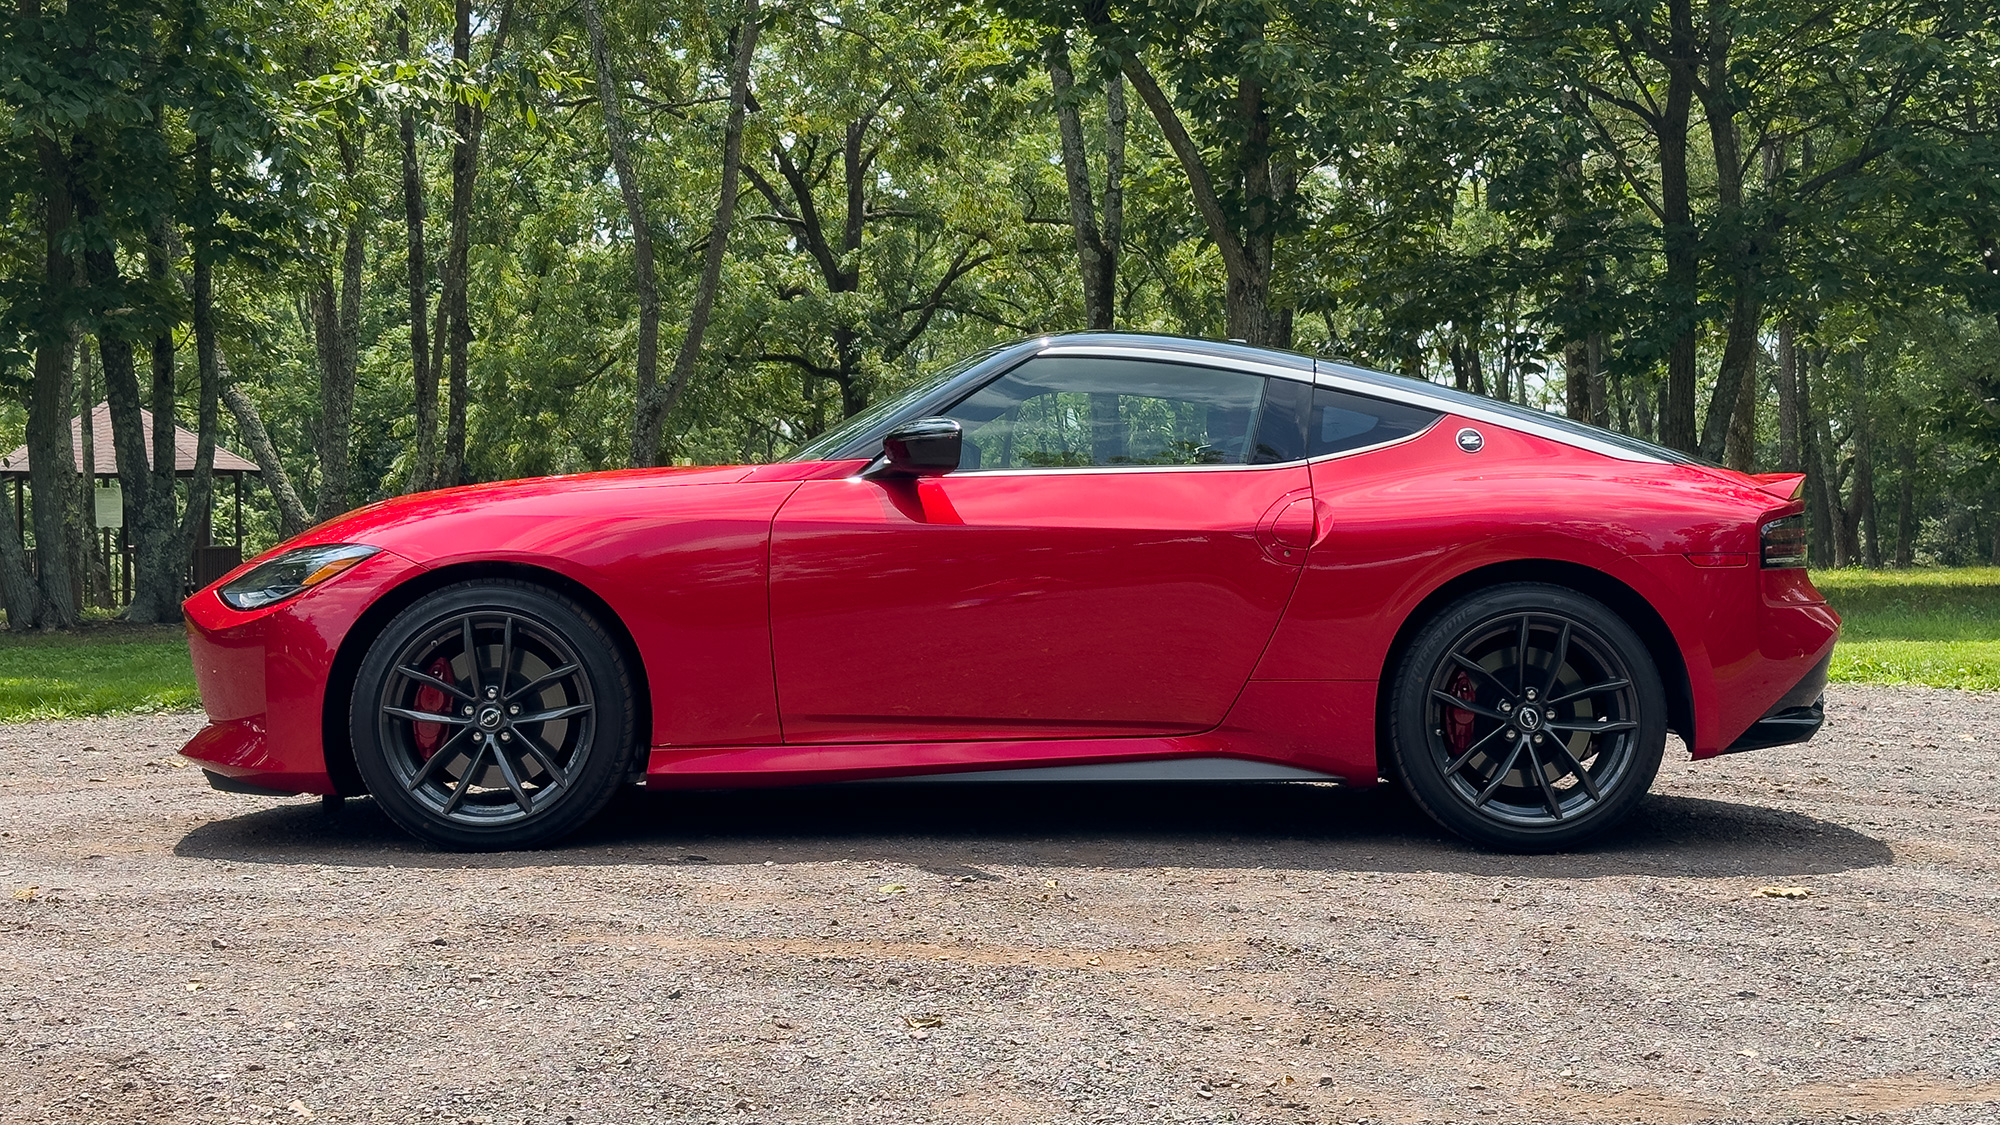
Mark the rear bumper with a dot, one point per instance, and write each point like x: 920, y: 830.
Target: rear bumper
x: 1794, y: 718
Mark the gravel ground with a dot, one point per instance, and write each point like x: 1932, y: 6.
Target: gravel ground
x: 1010, y: 953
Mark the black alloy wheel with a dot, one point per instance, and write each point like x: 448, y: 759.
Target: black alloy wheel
x: 1527, y: 717
x: 493, y: 714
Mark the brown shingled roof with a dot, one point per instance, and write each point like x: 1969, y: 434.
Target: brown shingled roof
x: 16, y: 463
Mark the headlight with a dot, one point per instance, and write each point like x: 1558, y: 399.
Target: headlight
x: 291, y: 573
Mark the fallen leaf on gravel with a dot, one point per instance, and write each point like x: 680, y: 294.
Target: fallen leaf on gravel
x: 1783, y: 892
x: 924, y: 1019
x: 893, y: 889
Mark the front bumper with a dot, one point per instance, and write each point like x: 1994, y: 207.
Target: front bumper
x: 1794, y: 718
x: 263, y: 676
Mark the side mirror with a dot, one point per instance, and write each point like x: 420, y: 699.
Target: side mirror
x: 924, y: 447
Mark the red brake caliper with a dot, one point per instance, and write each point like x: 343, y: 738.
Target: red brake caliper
x: 1457, y: 723
x: 430, y: 735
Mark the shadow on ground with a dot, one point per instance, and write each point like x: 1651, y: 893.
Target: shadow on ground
x: 951, y: 829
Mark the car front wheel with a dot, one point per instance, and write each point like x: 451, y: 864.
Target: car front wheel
x: 493, y: 714
x: 1527, y: 717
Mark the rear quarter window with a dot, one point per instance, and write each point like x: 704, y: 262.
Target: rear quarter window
x: 1341, y: 421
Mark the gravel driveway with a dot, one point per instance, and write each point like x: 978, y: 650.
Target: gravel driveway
x: 996, y: 954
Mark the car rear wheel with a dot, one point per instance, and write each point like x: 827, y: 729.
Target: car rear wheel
x: 1527, y: 717
x: 493, y: 714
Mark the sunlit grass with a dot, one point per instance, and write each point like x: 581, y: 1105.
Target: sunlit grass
x: 1936, y: 627
x: 96, y: 670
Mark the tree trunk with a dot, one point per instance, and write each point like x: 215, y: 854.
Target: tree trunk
x: 648, y: 415
x: 1246, y: 299
x: 90, y: 574
x: 1465, y: 366
x: 1623, y: 400
x: 337, y: 332
x: 423, y: 460
x: 1680, y: 242
x: 1740, y: 451
x: 1906, y: 500
x: 1790, y: 457
x: 151, y: 511
x: 466, y: 122
x: 1820, y: 531
x: 17, y: 585
x: 718, y: 231
x: 195, y: 522
x: 292, y: 517
x: 51, y: 456
x: 1739, y: 350
x: 1576, y: 391
x: 1861, y: 501
x: 1095, y: 262
x: 1643, y: 413
x: 1600, y: 412
x: 1114, y: 185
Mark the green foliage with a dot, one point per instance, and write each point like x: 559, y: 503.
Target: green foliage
x: 98, y: 670
x: 1935, y: 627
x: 1456, y: 191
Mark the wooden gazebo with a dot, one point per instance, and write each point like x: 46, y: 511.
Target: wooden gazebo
x: 208, y: 559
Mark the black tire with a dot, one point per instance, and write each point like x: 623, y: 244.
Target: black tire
x: 1462, y: 741
x: 543, y: 710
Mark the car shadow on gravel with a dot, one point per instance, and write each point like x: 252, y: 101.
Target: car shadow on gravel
x: 959, y: 829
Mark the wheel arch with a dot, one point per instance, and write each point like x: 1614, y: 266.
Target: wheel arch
x: 1620, y: 598
x: 334, y: 737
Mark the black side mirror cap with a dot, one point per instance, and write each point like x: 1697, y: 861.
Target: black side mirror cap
x: 923, y: 447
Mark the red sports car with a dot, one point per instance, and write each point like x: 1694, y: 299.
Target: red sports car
x: 1082, y: 556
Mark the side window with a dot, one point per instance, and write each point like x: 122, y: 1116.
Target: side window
x: 1068, y: 411
x: 1281, y: 430
x: 1341, y: 421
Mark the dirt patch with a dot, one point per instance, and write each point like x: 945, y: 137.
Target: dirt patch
x: 1013, y: 954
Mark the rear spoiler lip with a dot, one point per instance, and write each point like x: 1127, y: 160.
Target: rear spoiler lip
x: 1785, y: 486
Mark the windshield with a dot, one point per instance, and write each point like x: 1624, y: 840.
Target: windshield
x: 830, y: 442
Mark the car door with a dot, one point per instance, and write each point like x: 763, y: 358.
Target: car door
x: 1110, y: 559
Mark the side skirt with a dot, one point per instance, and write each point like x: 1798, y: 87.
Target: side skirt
x: 1201, y: 757
x: 1165, y: 769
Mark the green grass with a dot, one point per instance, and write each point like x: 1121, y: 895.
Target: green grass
x: 1936, y: 627
x: 99, y: 669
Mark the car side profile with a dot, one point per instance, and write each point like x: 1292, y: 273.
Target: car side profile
x: 1089, y: 556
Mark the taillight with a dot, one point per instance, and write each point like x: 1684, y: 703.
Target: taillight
x: 1785, y: 542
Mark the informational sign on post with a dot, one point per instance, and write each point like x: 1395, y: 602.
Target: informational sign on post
x: 110, y: 498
